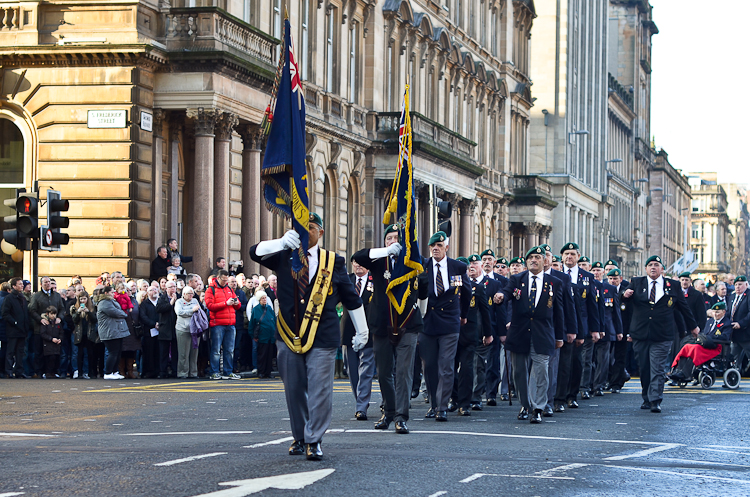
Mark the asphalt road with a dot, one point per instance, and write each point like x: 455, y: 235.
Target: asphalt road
x: 179, y: 438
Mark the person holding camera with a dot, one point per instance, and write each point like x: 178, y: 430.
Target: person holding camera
x: 222, y: 304
x: 233, y: 268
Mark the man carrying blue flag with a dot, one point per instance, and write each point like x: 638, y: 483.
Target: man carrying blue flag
x: 311, y: 281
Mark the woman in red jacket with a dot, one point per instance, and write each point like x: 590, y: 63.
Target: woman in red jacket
x: 222, y: 305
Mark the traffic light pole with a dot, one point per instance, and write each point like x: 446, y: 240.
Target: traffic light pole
x: 35, y: 255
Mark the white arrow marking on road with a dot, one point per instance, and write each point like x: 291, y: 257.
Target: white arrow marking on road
x: 7, y: 434
x: 11, y: 494
x: 272, y: 442
x: 292, y: 481
x: 191, y: 458
x: 643, y: 452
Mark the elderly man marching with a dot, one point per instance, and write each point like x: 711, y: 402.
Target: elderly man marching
x: 307, y: 341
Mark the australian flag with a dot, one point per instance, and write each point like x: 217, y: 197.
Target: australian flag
x: 401, y: 211
x: 283, y: 170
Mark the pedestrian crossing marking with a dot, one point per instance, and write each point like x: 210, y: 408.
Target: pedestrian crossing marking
x: 250, y: 385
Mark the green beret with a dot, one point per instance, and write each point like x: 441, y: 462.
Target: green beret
x: 391, y: 228
x: 654, y: 258
x: 686, y: 274
x: 597, y: 265
x: 614, y: 272
x: 611, y: 263
x: 570, y: 246
x: 740, y: 278
x: 546, y: 247
x: 487, y: 252
x: 584, y: 259
x: 535, y: 250
x: 463, y: 259
x: 475, y: 258
x: 518, y: 260
x: 439, y: 236
x: 556, y: 258
x: 503, y: 260
x: 315, y: 218
x: 719, y: 306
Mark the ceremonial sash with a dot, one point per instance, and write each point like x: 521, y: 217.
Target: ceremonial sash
x: 301, y: 342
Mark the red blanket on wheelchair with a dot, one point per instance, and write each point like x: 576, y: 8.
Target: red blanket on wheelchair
x: 698, y: 353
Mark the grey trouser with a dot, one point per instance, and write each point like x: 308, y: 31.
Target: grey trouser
x: 505, y: 367
x: 438, y: 355
x: 653, y: 362
x: 481, y: 366
x: 308, y: 387
x: 601, y: 357
x: 531, y: 386
x: 554, y: 363
x: 587, y: 362
x: 187, y: 356
x: 361, y: 368
x: 395, y: 388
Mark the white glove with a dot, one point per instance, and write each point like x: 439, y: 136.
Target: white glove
x: 290, y: 240
x: 422, y: 306
x: 394, y: 249
x: 360, y: 325
x: 379, y: 253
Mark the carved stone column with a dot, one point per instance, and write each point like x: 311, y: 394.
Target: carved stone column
x: 203, y: 230
x: 466, y: 228
x: 532, y: 237
x: 225, y: 123
x: 157, y: 169
x: 252, y: 193
x: 174, y: 179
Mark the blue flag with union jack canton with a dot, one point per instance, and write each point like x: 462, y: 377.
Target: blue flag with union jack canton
x: 402, y: 212
x: 284, y: 171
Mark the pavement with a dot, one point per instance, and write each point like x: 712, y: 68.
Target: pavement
x: 230, y: 438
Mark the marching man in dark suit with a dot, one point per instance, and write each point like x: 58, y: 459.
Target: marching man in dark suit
x: 307, y: 342
x: 536, y: 330
x: 393, y: 334
x: 656, y: 301
x: 449, y: 296
x: 360, y: 365
x: 618, y: 376
x: 739, y: 314
x: 493, y: 283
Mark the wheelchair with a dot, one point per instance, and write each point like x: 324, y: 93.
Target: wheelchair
x: 722, y: 366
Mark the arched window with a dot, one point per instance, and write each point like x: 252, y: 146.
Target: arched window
x: 11, y: 154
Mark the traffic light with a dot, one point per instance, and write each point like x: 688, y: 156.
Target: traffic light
x: 25, y: 220
x: 51, y: 237
x: 445, y: 210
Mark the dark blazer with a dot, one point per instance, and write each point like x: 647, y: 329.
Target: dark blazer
x: 498, y: 312
x: 697, y: 306
x: 656, y: 322
x: 716, y: 299
x: 148, y: 316
x: 706, y: 301
x: 542, y: 324
x: 444, y: 312
x: 720, y: 332
x: 167, y: 318
x: 379, y: 306
x: 626, y: 309
x: 15, y: 313
x: 347, y: 326
x: 741, y: 316
x: 478, y: 320
x: 612, y: 322
x: 587, y: 308
x: 569, y: 305
x: 341, y: 290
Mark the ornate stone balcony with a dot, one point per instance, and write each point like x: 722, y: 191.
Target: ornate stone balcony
x: 531, y: 190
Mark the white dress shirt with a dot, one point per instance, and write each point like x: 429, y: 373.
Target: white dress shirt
x: 312, y: 261
x: 659, y: 287
x: 539, y: 284
x: 362, y: 283
x: 479, y: 278
x: 490, y: 275
x: 443, y: 272
x: 573, y: 273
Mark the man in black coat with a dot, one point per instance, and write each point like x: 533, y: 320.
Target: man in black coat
x: 449, y: 296
x: 15, y: 313
x: 656, y: 300
x: 160, y: 264
x: 40, y: 301
x: 536, y: 330
x: 149, y: 317
x: 308, y: 332
x: 738, y: 311
x: 618, y: 376
x: 694, y: 299
x: 494, y: 282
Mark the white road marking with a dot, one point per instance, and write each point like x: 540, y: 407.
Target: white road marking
x: 272, y: 442
x: 729, y: 447
x: 438, y: 494
x: 705, y: 463
x: 642, y: 453
x: 191, y: 458
x: 11, y: 494
x: 684, y: 475
x: 724, y: 451
x: 293, y: 481
x: 187, y: 433
x: 567, y: 467
x: 11, y: 434
x: 476, y: 476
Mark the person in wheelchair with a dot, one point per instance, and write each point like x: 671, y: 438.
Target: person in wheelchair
x: 716, y: 334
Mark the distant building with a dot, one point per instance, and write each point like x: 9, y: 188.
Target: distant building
x: 738, y: 227
x: 710, y: 223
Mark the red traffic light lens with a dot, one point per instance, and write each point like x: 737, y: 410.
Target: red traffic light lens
x: 26, y: 206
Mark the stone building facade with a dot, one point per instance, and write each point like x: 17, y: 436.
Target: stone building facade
x: 739, y: 218
x: 710, y: 235
x: 670, y: 204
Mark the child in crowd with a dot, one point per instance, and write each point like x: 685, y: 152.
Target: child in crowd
x: 52, y: 334
x: 123, y: 298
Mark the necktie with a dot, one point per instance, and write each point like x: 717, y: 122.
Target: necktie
x: 474, y: 280
x: 652, y: 295
x: 532, y: 292
x: 359, y: 285
x: 569, y: 273
x: 734, y: 304
x: 439, y: 281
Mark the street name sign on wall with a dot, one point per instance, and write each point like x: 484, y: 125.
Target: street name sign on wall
x: 107, y: 118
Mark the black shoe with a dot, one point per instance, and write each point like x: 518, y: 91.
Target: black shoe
x: 523, y: 414
x: 383, y: 423
x: 573, y: 404
x: 599, y: 393
x: 24, y: 376
x: 559, y: 407
x: 536, y: 417
x: 614, y: 390
x: 313, y: 452
x: 674, y: 383
x: 441, y: 416
x: 547, y: 413
x: 476, y: 406
x: 452, y: 406
x: 585, y: 395
x: 430, y: 413
x: 361, y: 416
x: 491, y: 402
x: 401, y: 427
x: 463, y: 412
x: 415, y: 393
x: 297, y: 448
x: 656, y: 407
x: 646, y: 405
x: 504, y: 397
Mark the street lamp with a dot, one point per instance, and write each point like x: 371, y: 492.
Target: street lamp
x: 613, y: 160
x: 579, y: 132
